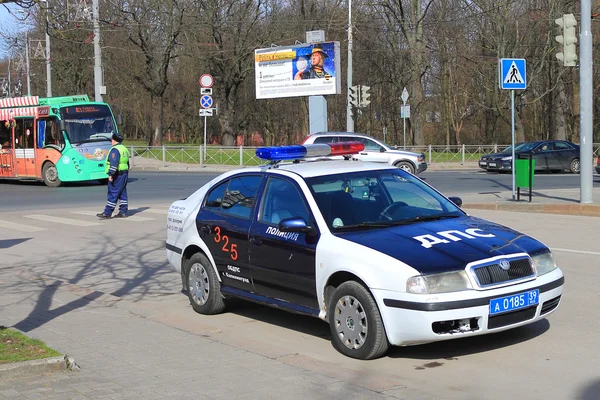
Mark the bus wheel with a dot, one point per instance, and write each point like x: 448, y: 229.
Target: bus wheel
x: 50, y: 175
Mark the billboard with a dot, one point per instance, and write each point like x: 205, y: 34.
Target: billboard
x: 299, y: 70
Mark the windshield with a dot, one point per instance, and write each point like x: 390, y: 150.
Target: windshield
x: 88, y: 123
x: 377, y: 199
x: 528, y: 146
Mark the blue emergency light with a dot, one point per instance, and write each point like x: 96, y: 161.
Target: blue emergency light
x: 297, y: 152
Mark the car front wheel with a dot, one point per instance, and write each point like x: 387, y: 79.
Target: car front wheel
x: 406, y: 166
x: 575, y: 166
x: 203, y: 286
x: 356, y: 326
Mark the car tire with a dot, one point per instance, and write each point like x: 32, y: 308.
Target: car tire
x: 50, y: 175
x: 203, y: 286
x: 406, y: 166
x: 352, y: 307
x: 575, y: 166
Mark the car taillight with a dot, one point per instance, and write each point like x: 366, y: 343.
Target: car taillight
x: 421, y: 157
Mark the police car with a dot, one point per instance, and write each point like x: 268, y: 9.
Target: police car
x: 373, y: 250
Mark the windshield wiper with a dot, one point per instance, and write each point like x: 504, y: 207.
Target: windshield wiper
x: 363, y: 225
x: 422, y: 218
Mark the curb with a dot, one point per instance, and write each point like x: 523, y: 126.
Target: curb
x: 584, y: 210
x: 33, y: 367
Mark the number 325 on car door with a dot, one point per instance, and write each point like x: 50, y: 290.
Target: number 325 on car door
x: 227, y: 247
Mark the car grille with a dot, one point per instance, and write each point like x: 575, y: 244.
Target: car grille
x: 550, y: 305
x: 493, y: 274
x: 514, y: 317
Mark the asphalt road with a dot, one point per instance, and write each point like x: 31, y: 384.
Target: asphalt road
x: 169, y: 186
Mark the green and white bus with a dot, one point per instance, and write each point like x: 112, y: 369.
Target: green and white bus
x: 55, y: 139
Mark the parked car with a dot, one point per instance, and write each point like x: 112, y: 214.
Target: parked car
x: 598, y: 166
x: 552, y: 155
x: 373, y: 250
x: 375, y: 150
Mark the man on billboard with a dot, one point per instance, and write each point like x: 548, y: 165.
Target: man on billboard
x: 317, y: 65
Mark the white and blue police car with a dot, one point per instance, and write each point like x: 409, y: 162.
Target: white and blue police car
x: 373, y: 250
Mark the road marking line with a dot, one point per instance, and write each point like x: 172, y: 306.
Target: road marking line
x: 130, y: 218
x: 59, y: 220
x: 593, y: 253
x: 20, y: 227
x: 157, y: 211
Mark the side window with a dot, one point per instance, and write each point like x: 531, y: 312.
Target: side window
x: 545, y: 147
x: 370, y: 145
x: 326, y: 139
x: 215, y: 197
x: 561, y: 146
x: 282, y: 200
x: 240, y: 196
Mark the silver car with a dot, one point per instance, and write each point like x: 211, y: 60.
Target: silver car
x: 375, y: 150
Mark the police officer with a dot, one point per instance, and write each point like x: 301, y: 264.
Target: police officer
x: 117, y: 168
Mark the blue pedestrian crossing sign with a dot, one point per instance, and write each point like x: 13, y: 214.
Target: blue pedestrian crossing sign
x: 512, y: 73
x: 206, y: 101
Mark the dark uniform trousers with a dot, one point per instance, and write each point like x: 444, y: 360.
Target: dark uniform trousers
x: 117, y: 191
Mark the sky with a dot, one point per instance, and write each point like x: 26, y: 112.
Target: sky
x: 8, y: 26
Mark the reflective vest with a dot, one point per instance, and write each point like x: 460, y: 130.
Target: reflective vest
x: 123, y: 158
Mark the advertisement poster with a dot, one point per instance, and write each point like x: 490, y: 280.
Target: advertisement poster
x: 299, y: 70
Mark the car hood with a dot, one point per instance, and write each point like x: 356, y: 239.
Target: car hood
x: 445, y: 245
x: 497, y: 156
x: 403, y: 153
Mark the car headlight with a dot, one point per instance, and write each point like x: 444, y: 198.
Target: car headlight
x: 544, y: 263
x: 438, y: 283
x: 507, y: 158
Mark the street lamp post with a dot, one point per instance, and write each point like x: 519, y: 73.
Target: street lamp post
x: 27, y: 55
x: 48, y: 66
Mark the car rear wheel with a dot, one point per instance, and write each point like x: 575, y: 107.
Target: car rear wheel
x: 406, y: 166
x: 203, y: 286
x: 356, y: 326
x: 575, y: 166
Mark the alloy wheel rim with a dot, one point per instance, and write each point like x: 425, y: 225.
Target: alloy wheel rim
x: 198, y: 284
x: 576, y: 165
x: 51, y: 174
x: 351, y: 322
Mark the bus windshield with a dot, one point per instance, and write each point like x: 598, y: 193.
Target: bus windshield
x: 88, y: 123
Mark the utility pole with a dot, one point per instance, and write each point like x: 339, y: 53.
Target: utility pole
x: 586, y: 100
x: 99, y: 88
x: 349, y: 116
x: 27, y: 61
x: 48, y: 66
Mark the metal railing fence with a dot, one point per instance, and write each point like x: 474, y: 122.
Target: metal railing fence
x: 246, y: 155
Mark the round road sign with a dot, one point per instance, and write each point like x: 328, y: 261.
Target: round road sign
x: 206, y: 101
x: 206, y: 81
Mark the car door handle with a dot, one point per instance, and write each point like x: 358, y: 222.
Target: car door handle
x: 205, y: 228
x: 255, y: 241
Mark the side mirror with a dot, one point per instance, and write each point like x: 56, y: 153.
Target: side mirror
x: 382, y: 150
x: 295, y: 224
x: 456, y: 200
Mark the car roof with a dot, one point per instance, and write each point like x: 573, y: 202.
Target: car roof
x: 341, y: 134
x: 322, y: 167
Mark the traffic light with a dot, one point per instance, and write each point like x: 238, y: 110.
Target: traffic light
x: 568, y: 39
x: 364, y: 96
x: 353, y: 94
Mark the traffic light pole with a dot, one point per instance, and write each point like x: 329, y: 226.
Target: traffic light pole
x: 586, y: 100
x: 349, y: 116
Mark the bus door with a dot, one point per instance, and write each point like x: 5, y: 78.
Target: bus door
x: 7, y: 155
x: 24, y: 145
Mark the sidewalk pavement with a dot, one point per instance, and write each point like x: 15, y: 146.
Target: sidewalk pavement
x: 555, y: 201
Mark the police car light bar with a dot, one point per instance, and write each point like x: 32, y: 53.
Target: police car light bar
x: 297, y: 152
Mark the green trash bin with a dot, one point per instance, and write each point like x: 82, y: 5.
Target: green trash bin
x: 524, y: 173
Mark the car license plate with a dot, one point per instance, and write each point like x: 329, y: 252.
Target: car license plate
x: 514, y: 302
x: 482, y: 162
x: 492, y: 164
